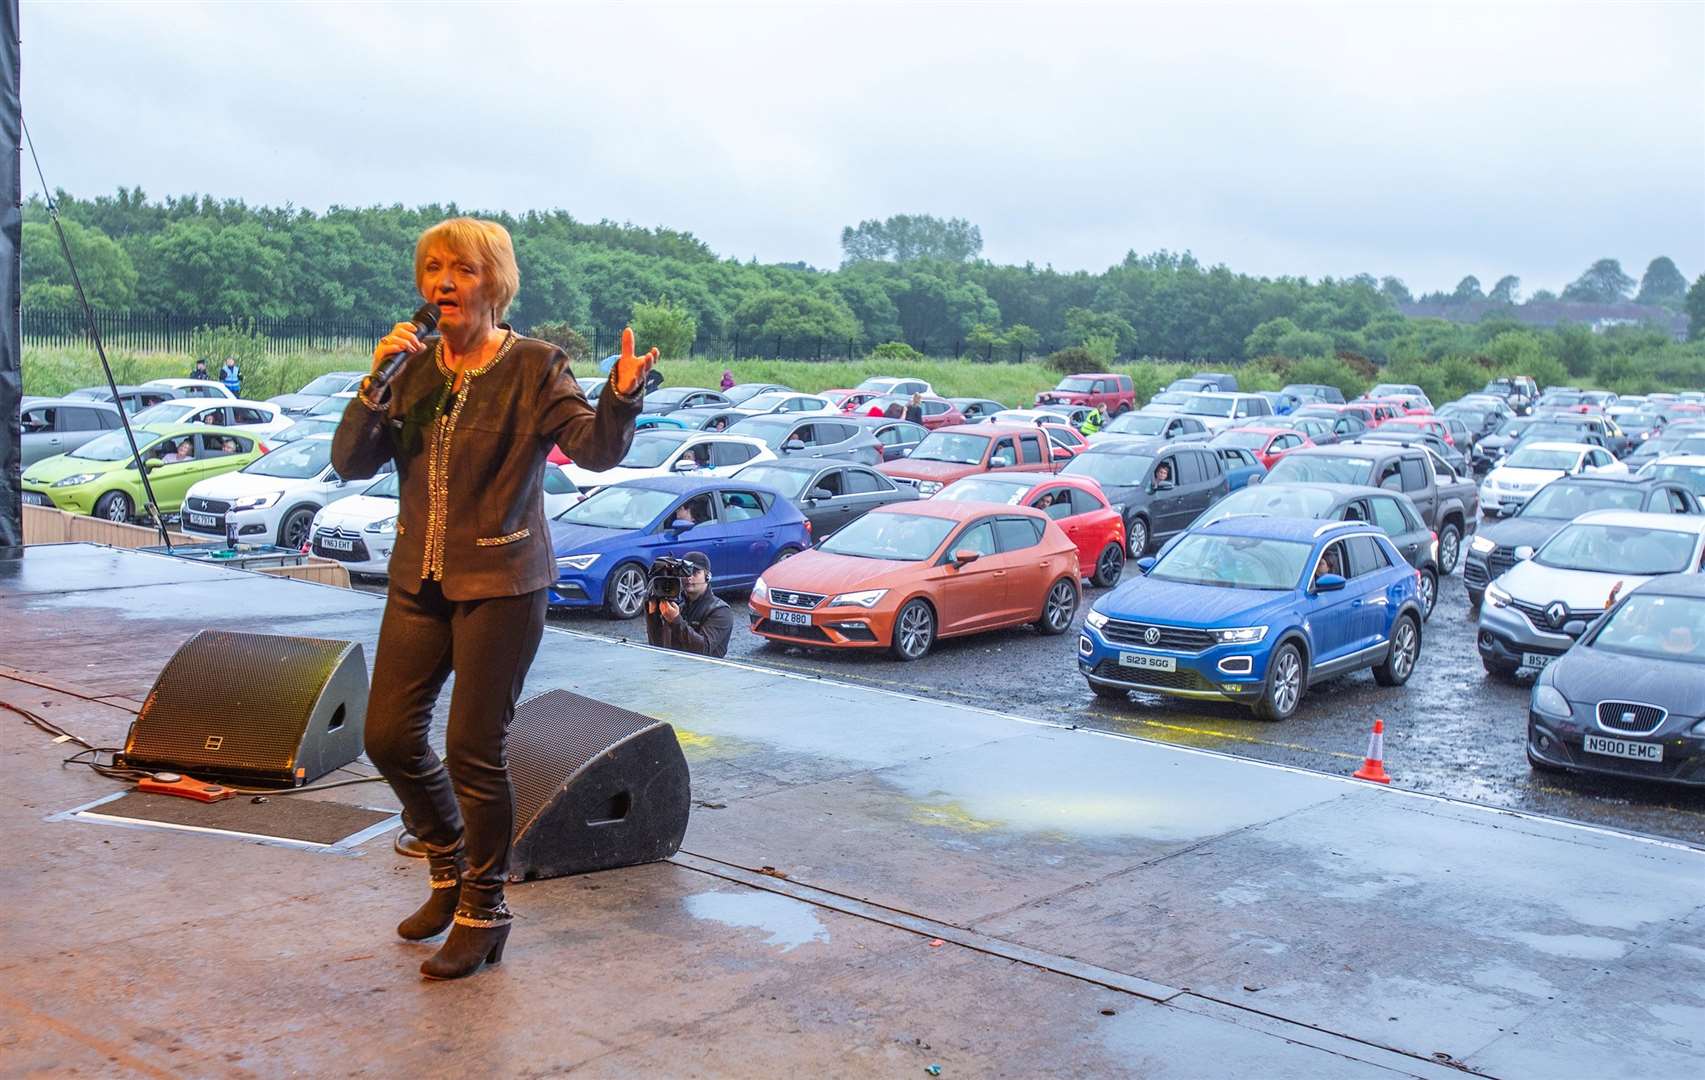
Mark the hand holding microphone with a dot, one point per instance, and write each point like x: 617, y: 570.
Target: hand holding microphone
x: 402, y: 342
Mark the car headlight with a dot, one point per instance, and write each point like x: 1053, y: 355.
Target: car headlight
x: 74, y: 479
x: 928, y: 487
x: 1482, y: 545
x: 760, y: 590
x: 1241, y: 634
x: 1496, y: 596
x: 1549, y: 701
x: 866, y: 598
x: 578, y: 562
x: 382, y: 525
x: 257, y: 502
x: 1095, y: 618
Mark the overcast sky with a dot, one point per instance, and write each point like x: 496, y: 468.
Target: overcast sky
x: 1422, y: 141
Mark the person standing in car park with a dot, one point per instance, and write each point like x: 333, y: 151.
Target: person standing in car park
x: 231, y: 375
x: 915, y: 408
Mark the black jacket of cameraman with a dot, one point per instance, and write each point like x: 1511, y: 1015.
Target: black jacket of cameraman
x: 704, y: 627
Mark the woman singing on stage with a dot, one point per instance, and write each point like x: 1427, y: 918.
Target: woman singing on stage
x: 468, y: 420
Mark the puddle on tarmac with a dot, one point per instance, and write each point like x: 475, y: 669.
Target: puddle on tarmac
x: 789, y: 923
x: 1573, y: 946
x: 1503, y: 976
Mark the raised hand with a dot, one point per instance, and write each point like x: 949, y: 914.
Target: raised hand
x: 631, y: 370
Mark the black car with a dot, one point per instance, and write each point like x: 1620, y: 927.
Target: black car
x: 976, y: 410
x: 1553, y: 506
x: 673, y: 398
x: 1159, y: 487
x: 1629, y: 698
x: 830, y: 494
x: 898, y: 437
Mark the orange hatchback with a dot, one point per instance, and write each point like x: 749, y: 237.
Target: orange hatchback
x: 906, y: 574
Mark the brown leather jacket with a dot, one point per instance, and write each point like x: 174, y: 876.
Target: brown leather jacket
x: 470, y: 464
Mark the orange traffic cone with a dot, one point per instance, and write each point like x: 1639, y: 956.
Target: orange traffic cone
x: 1373, y: 766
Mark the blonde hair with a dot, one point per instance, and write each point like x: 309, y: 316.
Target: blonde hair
x: 483, y: 242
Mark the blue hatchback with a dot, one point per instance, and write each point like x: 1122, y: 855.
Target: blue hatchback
x: 1253, y: 610
x: 605, y: 545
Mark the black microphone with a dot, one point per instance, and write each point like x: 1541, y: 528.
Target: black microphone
x: 425, y: 321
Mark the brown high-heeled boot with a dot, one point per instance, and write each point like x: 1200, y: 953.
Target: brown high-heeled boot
x: 477, y: 937
x: 435, y: 915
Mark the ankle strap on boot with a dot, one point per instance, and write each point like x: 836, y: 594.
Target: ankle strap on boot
x: 484, y: 917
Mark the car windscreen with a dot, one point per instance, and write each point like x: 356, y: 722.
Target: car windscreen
x: 789, y: 482
x: 985, y: 489
x: 1248, y: 440
x: 296, y: 461
x: 325, y: 384
x: 652, y: 448
x: 1565, y: 501
x: 1270, y: 500
x: 1136, y: 423
x: 166, y: 412
x: 770, y: 432
x: 1234, y: 562
x: 771, y: 400
x: 1691, y: 475
x: 1532, y: 457
x: 951, y: 447
x: 739, y: 394
x: 1393, y: 390
x: 1204, y: 405
x: 667, y: 397
x: 1618, y: 549
x: 385, y: 487
x: 329, y: 406
x: 301, y: 429
x: 1169, y: 397
x: 1555, y: 398
x: 902, y: 537
x: 113, y: 446
x: 1320, y: 469
x: 1075, y: 386
x: 1662, y: 627
x: 619, y: 507
x: 1110, y: 470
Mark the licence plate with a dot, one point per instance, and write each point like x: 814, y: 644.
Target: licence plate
x: 36, y: 498
x: 1535, y: 660
x: 332, y: 543
x: 1147, y: 661
x: 206, y: 521
x: 1624, y: 748
x: 790, y: 618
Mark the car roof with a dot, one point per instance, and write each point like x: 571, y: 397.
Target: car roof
x: 81, y: 403
x: 683, y: 390
x: 986, y: 429
x: 1092, y: 375
x: 1339, y: 491
x: 682, y: 485
x: 1230, y: 394
x: 1035, y: 479
x: 1571, y: 447
x: 1348, y: 448
x: 1674, y: 585
x: 956, y: 510
x: 1140, y: 444
x: 1262, y: 428
x: 199, y: 402
x: 1644, y: 519
x: 1307, y: 530
x: 1690, y: 460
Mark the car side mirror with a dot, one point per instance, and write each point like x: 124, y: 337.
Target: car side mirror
x: 152, y: 463
x: 820, y: 493
x: 1146, y: 563
x: 1163, y: 485
x: 793, y: 445
x: 965, y: 557
x: 1329, y: 583
x: 1524, y: 553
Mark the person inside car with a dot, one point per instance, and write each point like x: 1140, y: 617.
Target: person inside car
x: 683, y: 518
x: 701, y: 623
x: 1330, y: 563
x: 229, y: 446
x: 184, y: 451
x: 1162, y: 475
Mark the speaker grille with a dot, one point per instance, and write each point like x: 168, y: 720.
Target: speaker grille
x: 235, y: 701
x: 554, y: 735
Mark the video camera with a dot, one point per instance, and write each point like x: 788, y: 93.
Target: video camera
x: 668, y: 578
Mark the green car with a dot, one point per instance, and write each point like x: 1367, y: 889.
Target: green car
x: 100, y: 478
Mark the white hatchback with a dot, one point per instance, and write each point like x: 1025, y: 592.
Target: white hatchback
x: 670, y: 451
x: 261, y: 417
x: 1531, y: 466
x: 271, y: 500
x: 195, y: 387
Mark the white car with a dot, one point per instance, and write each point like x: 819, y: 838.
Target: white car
x: 1687, y: 468
x: 786, y: 401
x: 360, y: 531
x: 1218, y: 411
x: 272, y: 500
x: 260, y: 417
x: 883, y: 384
x: 1531, y: 466
x: 668, y: 451
x: 198, y: 387
x: 331, y: 405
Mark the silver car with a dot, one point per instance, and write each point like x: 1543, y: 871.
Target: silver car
x: 59, y: 425
x: 1536, y: 610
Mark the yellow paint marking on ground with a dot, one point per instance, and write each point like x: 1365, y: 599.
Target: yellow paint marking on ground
x: 1232, y: 736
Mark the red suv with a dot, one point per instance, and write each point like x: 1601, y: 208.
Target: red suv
x: 1112, y: 394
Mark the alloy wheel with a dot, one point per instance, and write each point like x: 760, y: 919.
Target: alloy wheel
x: 1061, y: 605
x: 1403, y: 650
x: 1450, y: 544
x: 1429, y: 589
x: 1138, y: 535
x: 629, y: 592
x: 1110, y: 566
x: 1287, y: 682
x: 295, y: 531
x: 915, y: 631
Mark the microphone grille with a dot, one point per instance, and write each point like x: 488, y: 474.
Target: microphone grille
x: 427, y: 317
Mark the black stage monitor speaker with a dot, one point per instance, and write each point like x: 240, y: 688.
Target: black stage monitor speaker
x: 255, y: 708
x: 596, y: 787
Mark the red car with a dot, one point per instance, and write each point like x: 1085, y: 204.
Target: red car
x: 1076, y: 504
x: 1066, y: 438
x: 1402, y: 406
x: 1370, y: 413
x: 849, y: 400
x: 938, y: 411
x: 1422, y: 424
x: 1266, y: 443
x: 1111, y: 393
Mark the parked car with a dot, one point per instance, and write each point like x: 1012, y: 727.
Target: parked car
x: 1281, y: 402
x: 894, y: 387
x: 740, y: 393
x: 194, y: 387
x: 1111, y: 393
x: 301, y: 429
x: 664, y: 452
x: 606, y: 543
x: 260, y: 417
x: 1399, y: 390
x: 1241, y: 466
x: 100, y: 477
x: 1076, y: 504
x: 1493, y: 449
x: 1316, y: 429
x: 947, y: 454
x: 1253, y: 610
x: 1154, y: 508
x: 1077, y: 416
x: 830, y: 494
x: 1448, y: 503
x: 1421, y: 424
x: 1067, y: 438
x: 1536, y: 610
x: 1686, y: 469
x: 976, y: 409
x: 1312, y: 392
x: 898, y: 437
x: 812, y: 435
x: 52, y: 426
x: 317, y: 390
x: 133, y: 399
x: 904, y: 576
x: 656, y: 421
x: 1147, y: 425
x: 1553, y: 506
x: 937, y: 412
x: 848, y: 401
x: 1391, y: 434
x: 1168, y: 401
x: 333, y: 405
x: 1629, y: 698
x: 786, y: 401
x: 1352, y: 418
x: 360, y: 531
x: 714, y: 418
x: 667, y: 399
x: 271, y: 500
x: 1390, y: 512
x: 1519, y: 390
x: 1206, y: 381
x: 1664, y: 443
x: 1268, y: 444
x: 1219, y: 411
x: 1534, y: 464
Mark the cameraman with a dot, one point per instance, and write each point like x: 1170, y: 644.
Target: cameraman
x: 700, y: 623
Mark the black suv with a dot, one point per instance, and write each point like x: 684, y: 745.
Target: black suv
x: 1159, y: 487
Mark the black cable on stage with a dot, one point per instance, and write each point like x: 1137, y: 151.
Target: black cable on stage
x: 95, y: 335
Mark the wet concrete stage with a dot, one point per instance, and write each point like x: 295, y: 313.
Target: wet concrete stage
x: 1106, y: 906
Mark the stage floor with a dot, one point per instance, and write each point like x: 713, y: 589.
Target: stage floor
x: 963, y: 888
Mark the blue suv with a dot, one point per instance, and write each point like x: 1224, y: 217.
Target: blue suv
x: 606, y: 544
x: 1252, y: 610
